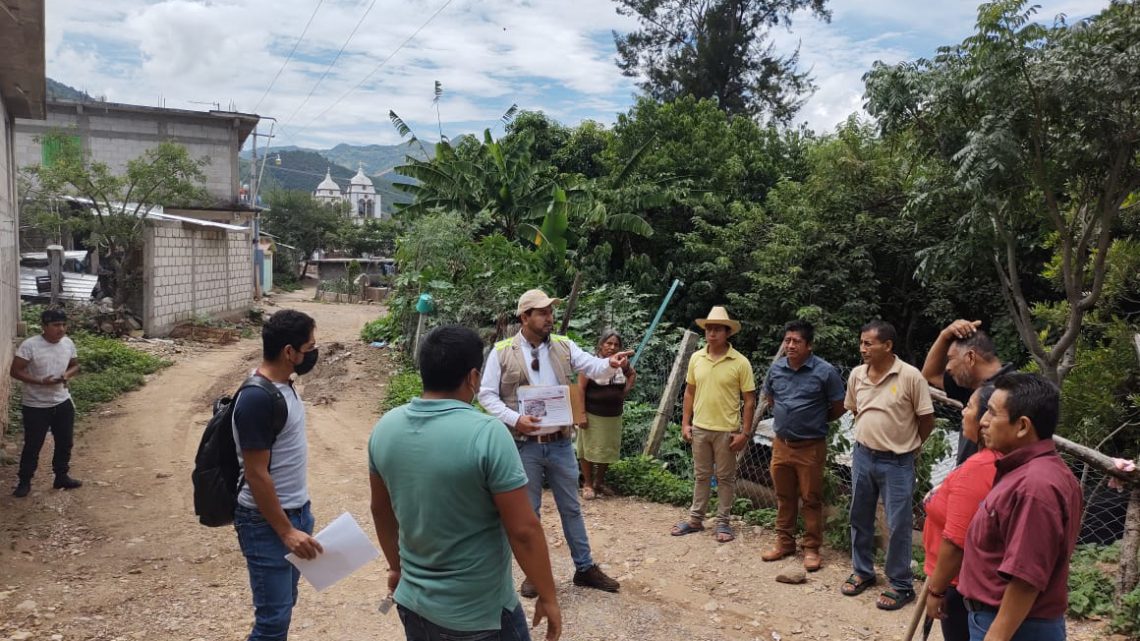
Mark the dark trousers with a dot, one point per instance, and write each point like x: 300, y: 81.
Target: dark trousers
x: 513, y: 627
x: 956, y: 625
x: 38, y: 421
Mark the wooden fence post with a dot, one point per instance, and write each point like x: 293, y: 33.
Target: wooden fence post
x: 420, y: 325
x: 762, y: 401
x: 55, y: 271
x: 571, y: 303
x: 1130, y: 548
x: 669, y: 397
x: 1130, y: 543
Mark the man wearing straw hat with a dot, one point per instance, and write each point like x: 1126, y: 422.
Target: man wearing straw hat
x: 717, y: 379
x: 537, y: 356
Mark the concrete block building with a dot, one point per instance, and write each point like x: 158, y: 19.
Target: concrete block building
x: 115, y: 134
x: 23, y: 90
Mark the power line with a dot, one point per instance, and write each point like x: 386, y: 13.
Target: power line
x: 331, y: 64
x: 376, y: 68
x: 290, y: 56
x: 301, y: 171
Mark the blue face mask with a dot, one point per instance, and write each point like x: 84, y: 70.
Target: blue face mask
x: 308, y: 362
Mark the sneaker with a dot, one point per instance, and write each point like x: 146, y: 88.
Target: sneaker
x: 65, y: 482
x: 22, y: 489
x: 595, y: 578
x: 527, y: 590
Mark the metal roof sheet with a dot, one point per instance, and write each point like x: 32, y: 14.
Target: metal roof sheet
x: 75, y: 286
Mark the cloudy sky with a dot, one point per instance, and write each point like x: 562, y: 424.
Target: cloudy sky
x: 550, y: 55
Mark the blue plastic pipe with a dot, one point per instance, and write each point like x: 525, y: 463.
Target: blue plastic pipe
x: 653, y: 325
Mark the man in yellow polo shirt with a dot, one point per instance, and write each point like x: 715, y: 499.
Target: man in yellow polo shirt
x: 718, y: 378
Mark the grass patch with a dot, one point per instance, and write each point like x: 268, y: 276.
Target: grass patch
x: 385, y: 328
x: 1090, y: 586
x: 402, y: 388
x: 107, y: 368
x: 645, y: 477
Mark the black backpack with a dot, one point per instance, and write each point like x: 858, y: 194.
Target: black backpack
x: 217, y: 474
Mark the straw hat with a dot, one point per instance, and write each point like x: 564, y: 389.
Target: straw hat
x: 535, y: 299
x: 719, y: 316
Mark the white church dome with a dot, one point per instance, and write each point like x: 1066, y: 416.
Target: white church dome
x: 360, y: 178
x: 328, y: 184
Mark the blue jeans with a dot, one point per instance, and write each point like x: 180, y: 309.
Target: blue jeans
x: 417, y: 628
x: 272, y: 579
x: 1030, y: 630
x: 557, y: 463
x: 891, y: 476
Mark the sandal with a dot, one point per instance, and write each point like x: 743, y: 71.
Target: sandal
x: 858, y: 585
x: 899, y: 598
x: 722, y: 530
x: 588, y: 493
x: 605, y: 490
x: 685, y: 527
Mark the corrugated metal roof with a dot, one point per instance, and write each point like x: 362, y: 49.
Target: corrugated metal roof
x: 79, y: 254
x: 198, y: 221
x: 156, y: 212
x: 75, y: 286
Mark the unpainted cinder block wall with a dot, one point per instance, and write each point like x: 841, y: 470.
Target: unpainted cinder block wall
x: 191, y: 271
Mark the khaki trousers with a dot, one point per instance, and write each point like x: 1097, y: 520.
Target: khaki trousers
x: 709, y: 448
x: 797, y: 475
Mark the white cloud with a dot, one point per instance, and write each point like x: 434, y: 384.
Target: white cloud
x: 487, y: 53
x: 861, y: 33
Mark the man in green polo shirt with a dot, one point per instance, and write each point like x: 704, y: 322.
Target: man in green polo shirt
x: 449, y: 501
x: 717, y: 379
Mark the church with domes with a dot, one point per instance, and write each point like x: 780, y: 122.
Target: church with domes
x: 364, y: 202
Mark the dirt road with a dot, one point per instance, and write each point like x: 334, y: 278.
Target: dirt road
x: 124, y: 558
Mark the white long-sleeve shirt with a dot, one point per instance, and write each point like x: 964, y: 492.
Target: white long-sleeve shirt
x: 580, y: 361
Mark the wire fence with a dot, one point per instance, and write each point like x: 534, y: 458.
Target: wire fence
x: 1105, y: 507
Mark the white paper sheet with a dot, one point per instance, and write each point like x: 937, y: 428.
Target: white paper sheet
x: 550, y: 404
x: 347, y: 549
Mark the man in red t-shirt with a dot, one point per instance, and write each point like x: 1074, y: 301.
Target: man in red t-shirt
x: 1015, y: 572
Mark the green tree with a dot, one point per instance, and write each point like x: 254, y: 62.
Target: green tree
x: 299, y: 220
x: 110, y: 208
x: 701, y: 174
x: 495, y: 184
x: 716, y: 49
x: 1040, y: 128
x: 371, y: 236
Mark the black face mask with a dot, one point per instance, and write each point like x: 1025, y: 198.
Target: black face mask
x: 307, y: 363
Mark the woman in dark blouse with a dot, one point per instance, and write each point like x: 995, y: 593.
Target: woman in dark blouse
x: 599, y: 439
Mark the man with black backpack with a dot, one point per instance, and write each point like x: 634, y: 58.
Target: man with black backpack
x: 272, y: 517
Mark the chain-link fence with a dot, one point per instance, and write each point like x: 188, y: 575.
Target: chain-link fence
x: 1103, y: 520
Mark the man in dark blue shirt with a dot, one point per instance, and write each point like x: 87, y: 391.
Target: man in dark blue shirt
x: 804, y: 392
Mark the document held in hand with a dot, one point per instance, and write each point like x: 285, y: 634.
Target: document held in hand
x: 347, y: 549
x: 550, y: 404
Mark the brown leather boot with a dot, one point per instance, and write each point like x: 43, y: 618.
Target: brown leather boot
x: 812, y: 560
x: 777, y: 553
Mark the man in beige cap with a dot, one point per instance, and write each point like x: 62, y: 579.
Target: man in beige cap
x: 536, y: 356
x: 718, y: 377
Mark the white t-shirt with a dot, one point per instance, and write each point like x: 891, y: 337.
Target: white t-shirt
x: 46, y: 359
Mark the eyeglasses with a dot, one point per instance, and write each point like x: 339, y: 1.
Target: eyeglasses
x: 534, y: 358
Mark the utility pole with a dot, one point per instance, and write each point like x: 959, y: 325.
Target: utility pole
x: 254, y: 187
x: 256, y: 174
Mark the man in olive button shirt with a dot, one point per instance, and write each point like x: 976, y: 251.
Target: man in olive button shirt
x: 805, y: 393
